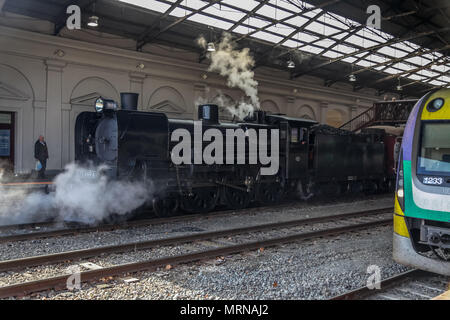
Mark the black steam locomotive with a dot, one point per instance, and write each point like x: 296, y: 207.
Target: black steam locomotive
x: 312, y: 158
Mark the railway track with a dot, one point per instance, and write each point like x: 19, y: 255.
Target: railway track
x: 73, y: 228
x: 410, y: 285
x: 59, y: 282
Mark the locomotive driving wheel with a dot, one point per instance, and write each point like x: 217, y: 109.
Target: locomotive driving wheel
x: 165, y: 207
x: 201, y: 200
x: 270, y: 193
x: 235, y: 198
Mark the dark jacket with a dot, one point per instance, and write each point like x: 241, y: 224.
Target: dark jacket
x: 40, y: 150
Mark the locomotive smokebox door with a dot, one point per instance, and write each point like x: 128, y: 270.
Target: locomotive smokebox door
x: 106, y: 139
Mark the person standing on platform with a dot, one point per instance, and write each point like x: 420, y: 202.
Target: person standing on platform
x: 41, y: 155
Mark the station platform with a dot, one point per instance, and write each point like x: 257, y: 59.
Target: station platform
x: 28, y: 180
x: 444, y: 296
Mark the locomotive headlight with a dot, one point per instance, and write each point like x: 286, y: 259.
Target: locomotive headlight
x: 99, y: 105
x: 400, y: 183
x: 435, y: 104
x: 105, y: 104
x: 400, y: 193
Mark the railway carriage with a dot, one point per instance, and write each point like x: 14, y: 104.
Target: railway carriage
x: 422, y: 201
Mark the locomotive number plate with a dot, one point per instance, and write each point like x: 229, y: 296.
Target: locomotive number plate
x: 433, y: 180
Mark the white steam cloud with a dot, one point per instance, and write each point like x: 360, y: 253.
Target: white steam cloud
x: 78, y: 196
x: 236, y: 65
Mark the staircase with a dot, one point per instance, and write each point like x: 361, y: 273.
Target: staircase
x: 381, y: 113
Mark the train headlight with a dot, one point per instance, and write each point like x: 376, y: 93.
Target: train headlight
x: 400, y: 183
x: 435, y: 104
x: 99, y: 105
x: 105, y: 104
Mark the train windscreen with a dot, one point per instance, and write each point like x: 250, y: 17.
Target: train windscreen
x: 434, y: 154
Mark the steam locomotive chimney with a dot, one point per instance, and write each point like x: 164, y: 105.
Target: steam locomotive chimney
x: 129, y: 100
x: 260, y: 116
x: 208, y: 113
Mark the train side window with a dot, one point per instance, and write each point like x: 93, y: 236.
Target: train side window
x: 303, y: 135
x: 294, y: 135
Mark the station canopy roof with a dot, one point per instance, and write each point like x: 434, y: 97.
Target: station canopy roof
x: 324, y: 38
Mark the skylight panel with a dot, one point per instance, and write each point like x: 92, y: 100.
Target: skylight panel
x: 417, y: 60
x: 243, y: 30
x: 321, y: 28
x: 332, y: 54
x: 273, y: 12
x: 313, y: 13
x: 344, y: 49
x: 360, y: 42
x: 415, y: 77
x: 194, y: 4
x: 437, y: 83
x: 305, y: 37
x: 336, y: 20
x: 200, y: 18
x: 281, y: 29
x: 325, y: 43
x: 258, y: 23
x: 178, y: 12
x: 311, y: 49
x: 149, y: 4
x: 292, y: 44
x: 428, y: 73
x: 349, y: 59
x: 267, y: 36
x: 228, y: 13
x: 440, y: 68
x: 297, y: 21
x: 402, y: 46
x: 246, y: 5
x: 368, y: 33
x: 403, y: 66
x: 364, y: 63
x: 445, y: 79
x: 285, y: 5
x: 376, y: 58
x: 392, y: 71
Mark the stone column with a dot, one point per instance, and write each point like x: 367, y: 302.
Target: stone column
x: 137, y: 86
x: 53, y: 116
x: 289, y: 108
x: 323, y: 109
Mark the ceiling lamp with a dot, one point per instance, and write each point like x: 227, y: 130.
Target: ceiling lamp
x: 399, y: 87
x: 211, y: 47
x: 290, y: 64
x: 93, y: 21
x: 352, y: 78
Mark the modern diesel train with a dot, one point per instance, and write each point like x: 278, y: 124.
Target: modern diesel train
x: 313, y: 158
x: 422, y: 200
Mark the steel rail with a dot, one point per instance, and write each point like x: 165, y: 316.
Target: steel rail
x: 385, y: 283
x: 8, y: 265
x: 60, y: 282
x: 127, y: 224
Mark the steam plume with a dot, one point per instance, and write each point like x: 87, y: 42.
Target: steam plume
x: 236, y: 65
x: 76, y: 198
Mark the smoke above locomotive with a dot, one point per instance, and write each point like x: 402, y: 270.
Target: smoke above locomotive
x: 236, y: 66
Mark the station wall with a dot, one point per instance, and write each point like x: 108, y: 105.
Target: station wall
x: 47, y: 81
